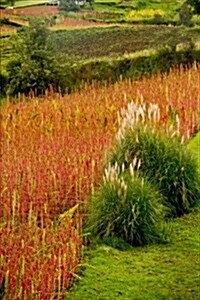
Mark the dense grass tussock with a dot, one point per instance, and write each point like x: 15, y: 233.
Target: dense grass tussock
x: 127, y: 207
x: 165, y: 162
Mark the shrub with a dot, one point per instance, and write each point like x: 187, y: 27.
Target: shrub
x: 158, y: 19
x: 165, y: 162
x: 3, y: 80
x: 185, y: 15
x: 141, y: 4
x: 127, y: 207
x: 195, y: 4
x: 69, y: 5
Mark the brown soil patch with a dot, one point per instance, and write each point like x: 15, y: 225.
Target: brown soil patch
x: 31, y: 11
x: 70, y: 22
x: 6, y: 29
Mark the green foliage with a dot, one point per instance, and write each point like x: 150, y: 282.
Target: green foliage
x: 8, y: 2
x: 68, y: 5
x: 35, y: 67
x: 3, y: 84
x: 195, y: 4
x: 158, y: 19
x: 79, y: 54
x: 115, y: 242
x: 165, y: 162
x: 151, y: 272
x: 91, y: 4
x: 127, y: 207
x: 12, y: 2
x: 155, y: 272
x: 89, y: 43
x: 136, y: 67
x: 6, y: 21
x: 185, y: 15
x: 141, y: 4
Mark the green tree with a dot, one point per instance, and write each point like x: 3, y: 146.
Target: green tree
x: 91, y: 2
x: 35, y: 67
x: 195, y: 4
x: 7, y: 2
x: 185, y: 15
x: 12, y: 2
x: 68, y: 5
x: 3, y: 85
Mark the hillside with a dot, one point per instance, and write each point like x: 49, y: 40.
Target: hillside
x: 99, y: 188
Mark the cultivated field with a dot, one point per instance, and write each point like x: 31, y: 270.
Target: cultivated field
x: 90, y: 43
x: 54, y: 149
x: 53, y: 156
x: 31, y: 11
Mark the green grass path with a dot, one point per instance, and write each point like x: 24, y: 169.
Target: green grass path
x: 170, y: 271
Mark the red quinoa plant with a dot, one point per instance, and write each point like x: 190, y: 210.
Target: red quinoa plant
x: 53, y: 153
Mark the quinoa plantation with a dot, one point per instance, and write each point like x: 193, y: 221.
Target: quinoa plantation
x: 100, y: 147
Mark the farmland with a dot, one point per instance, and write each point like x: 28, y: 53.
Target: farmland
x: 132, y: 12
x: 56, y: 147
x: 31, y: 11
x: 81, y: 36
x: 88, y: 43
x: 53, y: 158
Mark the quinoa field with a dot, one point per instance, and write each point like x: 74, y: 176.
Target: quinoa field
x: 53, y: 153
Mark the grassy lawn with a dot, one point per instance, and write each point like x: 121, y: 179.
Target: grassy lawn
x: 168, y: 271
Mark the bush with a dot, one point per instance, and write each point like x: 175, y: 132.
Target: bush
x: 6, y: 21
x: 165, y: 162
x: 195, y: 4
x: 158, y: 19
x: 3, y: 85
x: 141, y: 4
x: 185, y: 15
x: 69, y: 5
x: 127, y: 207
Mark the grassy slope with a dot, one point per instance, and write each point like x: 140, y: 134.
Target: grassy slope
x: 170, y: 271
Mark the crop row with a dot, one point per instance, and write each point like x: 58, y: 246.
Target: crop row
x: 119, y: 40
x: 30, y: 11
x: 53, y: 156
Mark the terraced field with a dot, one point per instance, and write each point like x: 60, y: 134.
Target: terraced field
x: 111, y: 42
x: 34, y: 11
x: 117, y: 41
x: 6, y: 51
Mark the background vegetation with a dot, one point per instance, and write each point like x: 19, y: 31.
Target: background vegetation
x: 67, y: 63
x: 70, y: 57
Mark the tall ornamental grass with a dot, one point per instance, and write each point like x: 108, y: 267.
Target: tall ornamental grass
x: 165, y: 162
x: 128, y: 207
